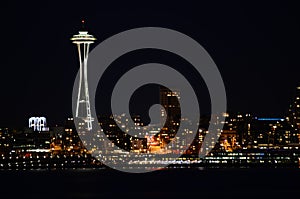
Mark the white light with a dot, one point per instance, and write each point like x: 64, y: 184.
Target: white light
x: 38, y: 123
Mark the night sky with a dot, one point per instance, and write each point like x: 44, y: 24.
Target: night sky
x: 255, y: 46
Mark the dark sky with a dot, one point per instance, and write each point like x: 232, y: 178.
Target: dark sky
x: 255, y: 46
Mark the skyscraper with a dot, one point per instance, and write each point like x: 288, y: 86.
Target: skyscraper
x: 293, y: 116
x: 169, y: 100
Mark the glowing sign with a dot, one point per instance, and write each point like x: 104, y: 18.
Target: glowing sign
x: 270, y: 119
x: 38, y: 124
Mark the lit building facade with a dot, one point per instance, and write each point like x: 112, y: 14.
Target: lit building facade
x: 293, y: 116
x: 6, y: 141
x: 169, y: 100
x: 33, y: 139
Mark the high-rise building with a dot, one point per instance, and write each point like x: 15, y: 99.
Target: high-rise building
x: 71, y: 141
x: 169, y: 100
x: 293, y: 116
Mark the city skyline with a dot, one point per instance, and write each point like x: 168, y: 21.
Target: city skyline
x: 54, y: 144
x: 255, y: 53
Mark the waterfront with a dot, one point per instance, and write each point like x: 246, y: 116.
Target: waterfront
x: 169, y: 183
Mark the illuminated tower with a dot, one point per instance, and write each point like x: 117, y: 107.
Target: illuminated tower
x: 83, y: 110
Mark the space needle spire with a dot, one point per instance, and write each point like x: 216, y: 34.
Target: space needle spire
x: 83, y: 111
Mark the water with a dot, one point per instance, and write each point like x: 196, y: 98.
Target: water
x: 169, y: 183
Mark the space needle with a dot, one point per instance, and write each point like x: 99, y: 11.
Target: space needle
x: 83, y: 111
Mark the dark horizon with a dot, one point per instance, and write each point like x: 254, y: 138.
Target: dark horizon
x: 255, y: 47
